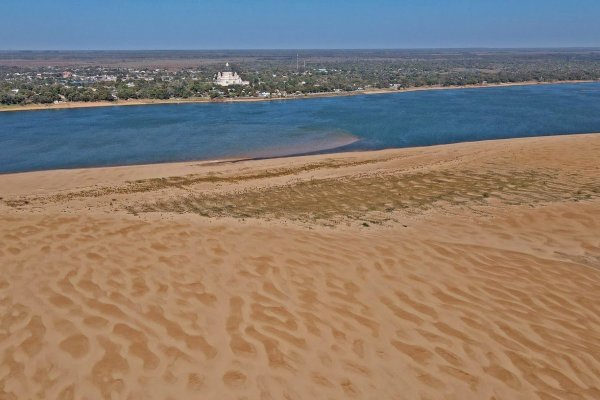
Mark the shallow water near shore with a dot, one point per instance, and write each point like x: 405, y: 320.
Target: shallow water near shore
x: 90, y: 137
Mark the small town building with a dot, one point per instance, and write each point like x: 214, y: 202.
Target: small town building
x: 228, y: 78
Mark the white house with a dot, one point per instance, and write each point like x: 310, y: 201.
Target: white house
x: 228, y: 78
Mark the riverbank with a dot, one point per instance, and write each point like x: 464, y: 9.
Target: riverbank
x: 140, y: 102
x: 450, y: 271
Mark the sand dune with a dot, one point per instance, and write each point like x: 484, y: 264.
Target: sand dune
x: 445, y: 276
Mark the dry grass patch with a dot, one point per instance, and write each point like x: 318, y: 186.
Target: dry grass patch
x: 375, y: 197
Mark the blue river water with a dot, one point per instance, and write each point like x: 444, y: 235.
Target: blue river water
x: 69, y: 138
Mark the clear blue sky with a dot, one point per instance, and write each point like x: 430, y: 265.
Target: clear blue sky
x: 259, y: 24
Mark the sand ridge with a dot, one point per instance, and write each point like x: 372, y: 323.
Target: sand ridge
x: 459, y: 295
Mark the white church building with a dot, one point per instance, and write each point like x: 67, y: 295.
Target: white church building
x: 228, y: 78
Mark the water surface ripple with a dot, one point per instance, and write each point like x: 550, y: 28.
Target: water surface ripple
x: 89, y: 137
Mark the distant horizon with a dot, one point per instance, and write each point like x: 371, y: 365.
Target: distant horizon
x: 313, y: 49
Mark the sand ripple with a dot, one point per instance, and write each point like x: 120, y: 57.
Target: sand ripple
x: 101, y: 308
x: 482, y: 283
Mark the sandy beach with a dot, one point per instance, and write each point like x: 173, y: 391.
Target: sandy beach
x: 142, y: 102
x: 464, y: 271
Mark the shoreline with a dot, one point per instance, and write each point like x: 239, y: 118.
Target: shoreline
x: 145, y: 102
x: 172, y: 168
x: 293, y: 157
